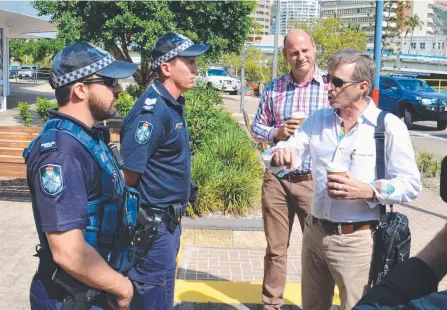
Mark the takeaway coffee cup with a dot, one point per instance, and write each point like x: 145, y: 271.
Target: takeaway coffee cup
x: 299, y: 116
x: 336, y: 168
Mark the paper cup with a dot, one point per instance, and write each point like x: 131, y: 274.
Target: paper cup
x: 336, y: 168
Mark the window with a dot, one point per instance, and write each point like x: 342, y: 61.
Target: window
x: 434, y: 45
x: 442, y: 45
x: 439, y: 45
x: 388, y: 84
x: 422, y: 45
x: 413, y: 45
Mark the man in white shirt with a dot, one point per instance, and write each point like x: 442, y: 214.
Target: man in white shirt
x: 337, y: 241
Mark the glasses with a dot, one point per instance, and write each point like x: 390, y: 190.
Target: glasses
x: 337, y: 82
x: 109, y: 82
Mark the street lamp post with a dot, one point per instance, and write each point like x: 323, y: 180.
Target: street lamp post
x: 377, y: 49
x: 275, y: 46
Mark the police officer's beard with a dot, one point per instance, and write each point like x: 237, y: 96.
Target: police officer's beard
x: 100, y: 111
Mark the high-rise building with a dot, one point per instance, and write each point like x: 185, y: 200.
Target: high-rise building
x: 262, y: 16
x: 424, y: 10
x: 358, y: 12
x: 297, y: 11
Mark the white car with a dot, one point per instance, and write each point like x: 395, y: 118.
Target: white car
x: 220, y: 79
x: 26, y: 71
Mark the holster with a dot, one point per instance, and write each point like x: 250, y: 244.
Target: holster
x: 145, y: 236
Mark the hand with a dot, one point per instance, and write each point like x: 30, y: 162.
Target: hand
x: 285, y: 157
x: 121, y: 301
x: 287, y: 129
x: 340, y: 187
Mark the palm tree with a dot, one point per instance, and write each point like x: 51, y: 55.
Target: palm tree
x: 412, y: 23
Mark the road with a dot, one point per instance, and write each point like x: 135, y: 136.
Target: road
x: 425, y: 136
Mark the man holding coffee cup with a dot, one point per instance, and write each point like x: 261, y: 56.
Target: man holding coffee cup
x: 284, y: 105
x: 337, y: 241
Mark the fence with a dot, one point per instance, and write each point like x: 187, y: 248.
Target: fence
x: 37, y: 74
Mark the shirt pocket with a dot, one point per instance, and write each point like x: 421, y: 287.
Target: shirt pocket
x: 362, y: 163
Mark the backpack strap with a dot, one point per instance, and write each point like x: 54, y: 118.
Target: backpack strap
x: 379, y: 136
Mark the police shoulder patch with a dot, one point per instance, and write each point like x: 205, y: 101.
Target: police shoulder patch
x: 51, y: 179
x: 143, y: 132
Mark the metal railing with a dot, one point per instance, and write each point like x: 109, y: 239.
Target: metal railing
x: 439, y: 84
x: 37, y: 74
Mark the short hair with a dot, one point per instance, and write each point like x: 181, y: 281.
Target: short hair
x: 364, y: 69
x: 63, y: 94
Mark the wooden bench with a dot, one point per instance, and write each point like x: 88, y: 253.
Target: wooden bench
x: 13, y: 139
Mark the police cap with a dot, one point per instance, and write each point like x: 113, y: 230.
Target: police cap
x: 82, y: 59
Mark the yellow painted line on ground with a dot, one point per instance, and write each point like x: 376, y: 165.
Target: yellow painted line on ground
x: 227, y: 292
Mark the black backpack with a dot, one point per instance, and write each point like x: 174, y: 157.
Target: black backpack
x: 392, y: 240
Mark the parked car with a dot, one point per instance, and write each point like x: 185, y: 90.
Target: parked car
x: 26, y: 71
x: 413, y: 100
x: 220, y: 79
x: 13, y: 70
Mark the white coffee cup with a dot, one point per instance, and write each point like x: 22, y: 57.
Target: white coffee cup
x: 336, y: 168
x: 300, y: 116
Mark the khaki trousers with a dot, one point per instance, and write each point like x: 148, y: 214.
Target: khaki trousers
x: 334, y: 259
x: 281, y: 200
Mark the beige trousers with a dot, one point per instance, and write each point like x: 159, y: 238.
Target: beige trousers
x: 334, y: 259
x: 281, y: 200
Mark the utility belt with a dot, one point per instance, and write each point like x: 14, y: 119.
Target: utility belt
x: 60, y: 286
x: 149, y: 221
x: 342, y: 228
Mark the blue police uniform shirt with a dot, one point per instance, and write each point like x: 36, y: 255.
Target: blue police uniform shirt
x: 155, y: 143
x: 61, y: 182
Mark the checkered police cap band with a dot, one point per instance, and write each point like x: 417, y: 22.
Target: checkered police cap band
x: 78, y: 74
x: 172, y: 53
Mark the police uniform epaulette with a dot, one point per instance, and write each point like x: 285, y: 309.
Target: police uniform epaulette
x: 150, y: 102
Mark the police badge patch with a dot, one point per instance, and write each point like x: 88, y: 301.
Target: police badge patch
x: 51, y: 180
x: 143, y: 133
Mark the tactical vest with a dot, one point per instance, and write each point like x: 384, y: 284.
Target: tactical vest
x: 113, y: 216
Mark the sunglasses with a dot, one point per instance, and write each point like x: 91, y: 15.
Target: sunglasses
x: 109, y: 82
x: 337, y: 82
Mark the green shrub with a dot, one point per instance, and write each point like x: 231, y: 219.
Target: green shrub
x: 228, y: 172
x: 203, y: 116
x: 24, y: 114
x: 124, y: 103
x: 43, y: 106
x: 135, y: 90
x: 428, y: 166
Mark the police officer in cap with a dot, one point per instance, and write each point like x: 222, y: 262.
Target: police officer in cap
x: 155, y: 149
x: 85, y: 215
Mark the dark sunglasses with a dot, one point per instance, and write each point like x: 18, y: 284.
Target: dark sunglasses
x: 109, y: 82
x: 337, y: 82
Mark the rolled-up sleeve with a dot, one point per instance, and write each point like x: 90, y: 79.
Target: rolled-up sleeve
x: 403, y: 180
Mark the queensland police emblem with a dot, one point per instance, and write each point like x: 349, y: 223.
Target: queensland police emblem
x: 143, y: 133
x: 51, y: 180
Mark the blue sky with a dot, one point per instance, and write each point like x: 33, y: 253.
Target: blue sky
x: 22, y: 7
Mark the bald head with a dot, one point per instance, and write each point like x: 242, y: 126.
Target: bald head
x: 297, y: 35
x: 299, y: 51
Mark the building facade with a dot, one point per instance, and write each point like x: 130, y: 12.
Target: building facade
x: 262, y: 16
x: 297, y: 11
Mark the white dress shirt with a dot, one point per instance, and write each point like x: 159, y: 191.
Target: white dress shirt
x: 319, y: 136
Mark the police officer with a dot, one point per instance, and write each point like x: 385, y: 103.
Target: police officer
x: 85, y: 216
x: 155, y: 149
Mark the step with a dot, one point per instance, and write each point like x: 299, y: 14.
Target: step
x: 11, y: 151
x: 12, y: 159
x: 34, y: 130
x: 14, y: 144
x: 18, y: 136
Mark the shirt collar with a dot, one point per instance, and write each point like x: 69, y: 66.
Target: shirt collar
x: 162, y: 91
x: 370, y: 114
x: 317, y: 77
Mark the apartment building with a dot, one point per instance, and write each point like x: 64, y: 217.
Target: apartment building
x: 301, y: 11
x: 435, y: 45
x: 424, y: 10
x: 262, y: 16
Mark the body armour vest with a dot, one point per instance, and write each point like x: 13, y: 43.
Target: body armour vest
x: 113, y: 216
